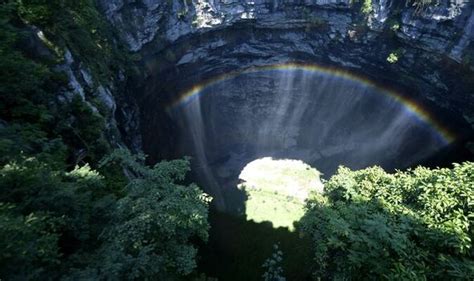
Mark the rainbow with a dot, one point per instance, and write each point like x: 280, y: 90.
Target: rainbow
x: 409, y: 104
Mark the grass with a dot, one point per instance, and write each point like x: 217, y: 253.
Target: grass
x: 277, y: 190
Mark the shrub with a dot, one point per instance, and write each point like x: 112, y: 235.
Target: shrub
x: 408, y: 225
x: 149, y: 235
x: 393, y: 57
x: 367, y: 7
x: 57, y: 224
x: 29, y: 247
x: 273, y: 269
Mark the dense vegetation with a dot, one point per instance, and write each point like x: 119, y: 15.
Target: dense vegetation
x: 367, y: 224
x: 74, y: 226
x: 64, y: 214
x: 74, y: 208
x: 413, y: 225
x: 31, y: 113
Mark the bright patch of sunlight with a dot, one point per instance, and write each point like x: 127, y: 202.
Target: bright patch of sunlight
x: 277, y: 190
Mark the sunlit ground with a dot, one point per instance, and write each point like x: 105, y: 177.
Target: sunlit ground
x: 277, y: 190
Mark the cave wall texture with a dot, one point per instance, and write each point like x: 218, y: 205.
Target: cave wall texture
x: 424, y: 53
x: 444, y: 27
x: 180, y: 43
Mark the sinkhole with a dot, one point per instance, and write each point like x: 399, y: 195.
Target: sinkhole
x: 324, y: 117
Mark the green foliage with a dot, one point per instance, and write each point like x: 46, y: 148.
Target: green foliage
x: 18, y: 140
x: 273, y: 270
x: 29, y: 246
x: 395, y: 26
x: 61, y: 218
x: 23, y: 82
x: 392, y: 58
x: 151, y: 228
x: 32, y: 122
x: 78, y: 26
x: 71, y: 217
x: 367, y: 7
x: 408, y: 225
x: 83, y: 129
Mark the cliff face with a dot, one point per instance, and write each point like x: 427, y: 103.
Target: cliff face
x: 424, y: 52
x: 431, y: 45
x: 446, y: 27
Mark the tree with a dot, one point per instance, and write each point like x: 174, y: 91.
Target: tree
x: 59, y: 220
x: 29, y: 247
x: 69, y: 225
x: 150, y: 234
x: 48, y: 217
x: 403, y: 226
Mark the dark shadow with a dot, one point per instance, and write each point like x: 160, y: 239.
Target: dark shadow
x: 456, y: 152
x: 237, y: 249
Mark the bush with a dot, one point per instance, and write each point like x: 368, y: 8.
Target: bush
x: 58, y: 214
x: 148, y: 237
x: 63, y: 221
x: 408, y: 225
x: 367, y: 7
x: 67, y: 224
x: 29, y: 248
x: 272, y: 265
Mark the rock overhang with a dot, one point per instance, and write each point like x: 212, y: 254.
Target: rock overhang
x: 422, y: 76
x: 183, y: 44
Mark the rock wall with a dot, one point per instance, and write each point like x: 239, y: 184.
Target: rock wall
x: 431, y: 48
x: 435, y: 39
x: 425, y: 53
x: 444, y: 27
x: 119, y: 112
x: 106, y: 98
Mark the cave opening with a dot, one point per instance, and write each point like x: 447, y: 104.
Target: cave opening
x: 229, y: 97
